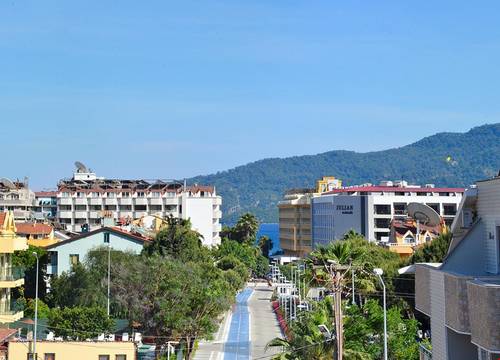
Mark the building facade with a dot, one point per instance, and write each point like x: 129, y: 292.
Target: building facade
x: 45, y: 207
x: 369, y: 210
x: 64, y: 254
x: 10, y: 277
x: 74, y: 350
x: 84, y: 200
x: 295, y: 217
x: 17, y: 197
x: 462, y: 295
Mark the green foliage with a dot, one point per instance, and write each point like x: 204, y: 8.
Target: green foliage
x: 265, y: 245
x: 245, y: 230
x: 434, y: 251
x: 259, y: 186
x: 25, y: 258
x: 29, y: 309
x: 178, y: 241
x: 80, y: 322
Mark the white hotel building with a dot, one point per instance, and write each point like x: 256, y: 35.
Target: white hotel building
x: 369, y: 209
x: 86, y: 199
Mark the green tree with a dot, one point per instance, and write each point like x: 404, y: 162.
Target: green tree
x: 25, y: 261
x: 245, y: 230
x: 80, y: 322
x: 43, y: 309
x: 177, y: 240
x: 265, y: 245
x: 433, y: 251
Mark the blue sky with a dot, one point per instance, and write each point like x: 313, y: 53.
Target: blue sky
x: 174, y: 89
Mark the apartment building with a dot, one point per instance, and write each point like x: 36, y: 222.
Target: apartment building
x: 462, y: 295
x: 10, y: 277
x: 84, y: 200
x: 369, y: 209
x: 17, y: 197
x: 295, y: 217
x: 45, y: 207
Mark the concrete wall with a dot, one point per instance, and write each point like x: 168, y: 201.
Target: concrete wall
x: 457, y: 304
x: 200, y: 211
x: 438, y: 328
x: 488, y: 208
x: 460, y: 347
x: 72, y: 350
x: 83, y: 245
x: 422, y: 289
x: 468, y: 256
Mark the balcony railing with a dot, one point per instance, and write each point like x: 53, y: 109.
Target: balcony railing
x: 10, y: 307
x: 11, y: 274
x: 425, y: 353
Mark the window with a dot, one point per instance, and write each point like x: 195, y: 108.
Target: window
x: 106, y: 237
x: 155, y: 194
x: 103, y: 357
x: 140, y: 194
x: 95, y: 194
x: 125, y: 194
x: 74, y: 259
x: 80, y: 194
x: 121, y: 357
x: 31, y: 356
x: 49, y: 356
x: 409, y: 239
x: 111, y: 194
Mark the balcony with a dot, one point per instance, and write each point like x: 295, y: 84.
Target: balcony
x: 95, y: 214
x: 65, y: 214
x: 484, y: 299
x: 110, y: 201
x: 141, y: 201
x: 218, y: 200
x: 425, y: 353
x: 80, y: 214
x: 217, y: 214
x: 9, y: 245
x: 10, y: 311
x: 126, y: 214
x: 65, y: 201
x: 125, y: 201
x: 217, y: 227
x: 81, y: 201
x: 156, y: 201
x: 11, y: 277
x: 172, y: 201
x: 97, y: 201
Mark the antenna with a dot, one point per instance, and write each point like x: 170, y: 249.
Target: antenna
x: 424, y: 214
x: 8, y: 184
x: 80, y: 167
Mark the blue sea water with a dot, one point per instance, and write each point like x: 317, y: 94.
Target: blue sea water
x: 271, y: 230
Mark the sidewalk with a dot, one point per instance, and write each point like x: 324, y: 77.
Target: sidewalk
x: 214, y: 349
x: 263, y: 323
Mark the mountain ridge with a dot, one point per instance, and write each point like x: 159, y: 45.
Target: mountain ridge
x: 258, y: 186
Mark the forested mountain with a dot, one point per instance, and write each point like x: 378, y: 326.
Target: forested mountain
x: 444, y: 159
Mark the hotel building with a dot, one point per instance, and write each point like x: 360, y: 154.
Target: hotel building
x: 10, y: 277
x: 462, y: 295
x: 295, y: 217
x: 85, y: 200
x: 369, y: 210
x: 16, y: 196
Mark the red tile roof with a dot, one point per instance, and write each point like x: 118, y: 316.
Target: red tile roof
x: 379, y: 188
x: 2, y: 218
x: 33, y: 228
x: 6, y: 333
x: 45, y: 193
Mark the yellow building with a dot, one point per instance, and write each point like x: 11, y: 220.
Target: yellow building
x: 9, y: 276
x: 37, y: 234
x: 404, y: 239
x: 295, y: 217
x: 74, y: 350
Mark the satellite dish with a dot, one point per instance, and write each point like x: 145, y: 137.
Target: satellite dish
x: 7, y: 183
x: 80, y: 167
x: 424, y: 214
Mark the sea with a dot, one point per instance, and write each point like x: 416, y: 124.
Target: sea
x: 271, y: 230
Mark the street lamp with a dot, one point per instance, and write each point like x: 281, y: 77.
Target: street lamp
x: 379, y: 272
x: 36, y: 305
x: 109, y: 272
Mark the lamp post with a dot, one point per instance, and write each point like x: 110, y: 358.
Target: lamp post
x: 379, y: 273
x: 109, y: 272
x: 36, y: 306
